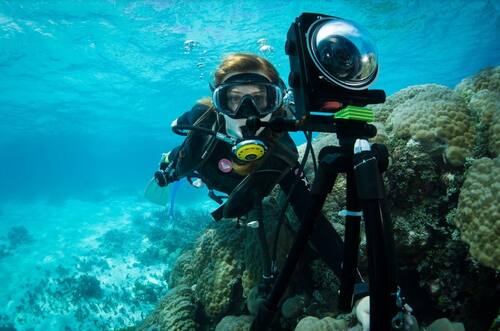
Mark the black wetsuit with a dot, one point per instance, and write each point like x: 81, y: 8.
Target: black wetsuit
x: 200, y: 156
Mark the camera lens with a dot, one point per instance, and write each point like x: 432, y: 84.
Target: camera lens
x: 340, y: 57
x: 343, y: 52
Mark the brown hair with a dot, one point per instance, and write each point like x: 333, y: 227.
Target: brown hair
x: 245, y: 62
x: 242, y: 62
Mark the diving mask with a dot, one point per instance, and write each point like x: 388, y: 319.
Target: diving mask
x: 248, y: 94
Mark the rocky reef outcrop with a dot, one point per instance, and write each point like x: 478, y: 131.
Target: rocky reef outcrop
x: 442, y: 188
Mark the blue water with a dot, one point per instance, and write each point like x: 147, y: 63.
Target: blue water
x: 88, y: 90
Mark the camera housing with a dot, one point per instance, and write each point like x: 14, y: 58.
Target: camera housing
x: 312, y: 85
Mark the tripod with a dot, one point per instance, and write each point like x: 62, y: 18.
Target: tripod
x: 363, y: 165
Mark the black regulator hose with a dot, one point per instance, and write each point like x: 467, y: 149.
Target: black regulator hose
x: 178, y: 129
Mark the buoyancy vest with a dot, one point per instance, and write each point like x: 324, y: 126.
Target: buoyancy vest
x: 200, y: 154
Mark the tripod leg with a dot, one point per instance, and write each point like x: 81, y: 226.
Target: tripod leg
x: 379, y: 237
x: 323, y: 183
x: 324, y: 240
x: 258, y: 214
x: 351, y: 245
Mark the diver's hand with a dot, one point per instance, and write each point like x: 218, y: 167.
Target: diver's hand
x: 363, y: 312
x: 163, y: 178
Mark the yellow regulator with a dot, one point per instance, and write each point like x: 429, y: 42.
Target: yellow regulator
x: 249, y: 150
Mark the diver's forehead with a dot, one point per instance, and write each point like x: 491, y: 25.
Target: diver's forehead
x: 236, y: 73
x: 247, y: 89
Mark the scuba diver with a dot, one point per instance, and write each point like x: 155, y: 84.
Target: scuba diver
x: 222, y: 150
x: 245, y: 85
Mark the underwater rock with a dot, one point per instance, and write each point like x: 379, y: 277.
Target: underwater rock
x: 235, y: 323
x: 88, y: 287
x: 147, y: 291
x: 256, y: 296
x: 113, y: 242
x: 293, y: 307
x: 17, y: 236
x: 176, y: 311
x: 443, y: 324
x: 311, y: 323
x: 478, y: 214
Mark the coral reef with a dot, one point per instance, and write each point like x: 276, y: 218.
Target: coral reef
x: 442, y: 190
x: 478, y: 211
x: 235, y: 323
x: 311, y: 323
x: 88, y: 287
x: 176, y: 312
x: 487, y: 79
x: 482, y: 95
x: 224, y: 266
x: 113, y: 282
x: 434, y: 116
x: 444, y: 324
x: 18, y: 236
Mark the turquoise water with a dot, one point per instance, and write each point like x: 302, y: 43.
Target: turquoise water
x: 87, y: 93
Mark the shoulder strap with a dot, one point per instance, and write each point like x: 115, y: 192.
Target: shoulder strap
x: 197, y: 146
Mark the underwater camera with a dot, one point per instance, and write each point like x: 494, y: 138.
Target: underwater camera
x: 333, y: 61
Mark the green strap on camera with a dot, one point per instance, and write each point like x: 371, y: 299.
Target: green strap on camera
x: 355, y: 113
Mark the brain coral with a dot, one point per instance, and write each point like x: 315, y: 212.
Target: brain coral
x: 485, y: 105
x: 486, y: 79
x: 435, y: 116
x: 478, y: 215
x: 311, y: 323
x: 218, y: 268
x: 175, y: 312
x: 482, y: 94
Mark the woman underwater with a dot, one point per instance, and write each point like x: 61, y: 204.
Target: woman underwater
x: 245, y: 85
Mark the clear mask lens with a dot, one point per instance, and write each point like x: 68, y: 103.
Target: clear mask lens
x: 265, y: 98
